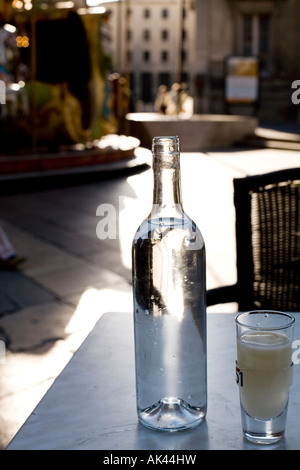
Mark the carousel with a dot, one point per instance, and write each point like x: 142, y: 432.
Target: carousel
x: 60, y: 106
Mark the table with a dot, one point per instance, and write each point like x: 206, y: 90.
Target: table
x: 91, y: 405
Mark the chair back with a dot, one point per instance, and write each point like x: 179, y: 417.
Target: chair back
x: 268, y: 240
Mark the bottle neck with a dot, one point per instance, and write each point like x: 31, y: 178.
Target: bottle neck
x: 167, y: 186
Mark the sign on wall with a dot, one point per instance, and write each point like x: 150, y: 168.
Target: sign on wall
x: 242, y: 80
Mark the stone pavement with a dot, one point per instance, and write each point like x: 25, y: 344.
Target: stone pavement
x: 71, y: 277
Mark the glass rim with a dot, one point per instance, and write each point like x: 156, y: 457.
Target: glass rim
x: 264, y: 312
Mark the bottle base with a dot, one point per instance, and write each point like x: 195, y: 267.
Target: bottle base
x: 171, y: 414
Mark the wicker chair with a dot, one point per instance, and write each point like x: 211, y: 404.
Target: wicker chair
x: 267, y: 243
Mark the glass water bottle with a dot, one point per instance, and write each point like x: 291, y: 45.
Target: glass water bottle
x: 169, y: 304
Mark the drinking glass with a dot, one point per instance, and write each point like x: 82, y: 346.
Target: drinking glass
x: 264, y: 372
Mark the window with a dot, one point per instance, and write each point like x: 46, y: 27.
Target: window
x: 146, y: 56
x: 165, y: 13
x: 185, y: 77
x: 165, y: 35
x: 146, y: 34
x: 256, y: 38
x: 146, y: 85
x: 164, y: 78
x: 247, y: 35
x: 164, y: 56
x: 147, y: 13
x: 264, y: 40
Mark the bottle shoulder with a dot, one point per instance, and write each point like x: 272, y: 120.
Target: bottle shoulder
x: 158, y: 228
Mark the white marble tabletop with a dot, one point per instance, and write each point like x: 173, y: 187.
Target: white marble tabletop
x: 91, y: 405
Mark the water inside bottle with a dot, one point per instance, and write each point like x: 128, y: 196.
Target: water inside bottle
x: 170, y: 313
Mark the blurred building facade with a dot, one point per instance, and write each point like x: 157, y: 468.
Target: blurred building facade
x: 153, y: 44
x: 268, y: 29
x: 148, y: 43
x: 166, y: 41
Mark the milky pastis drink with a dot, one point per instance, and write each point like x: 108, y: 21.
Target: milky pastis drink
x: 264, y: 366
x: 264, y: 372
